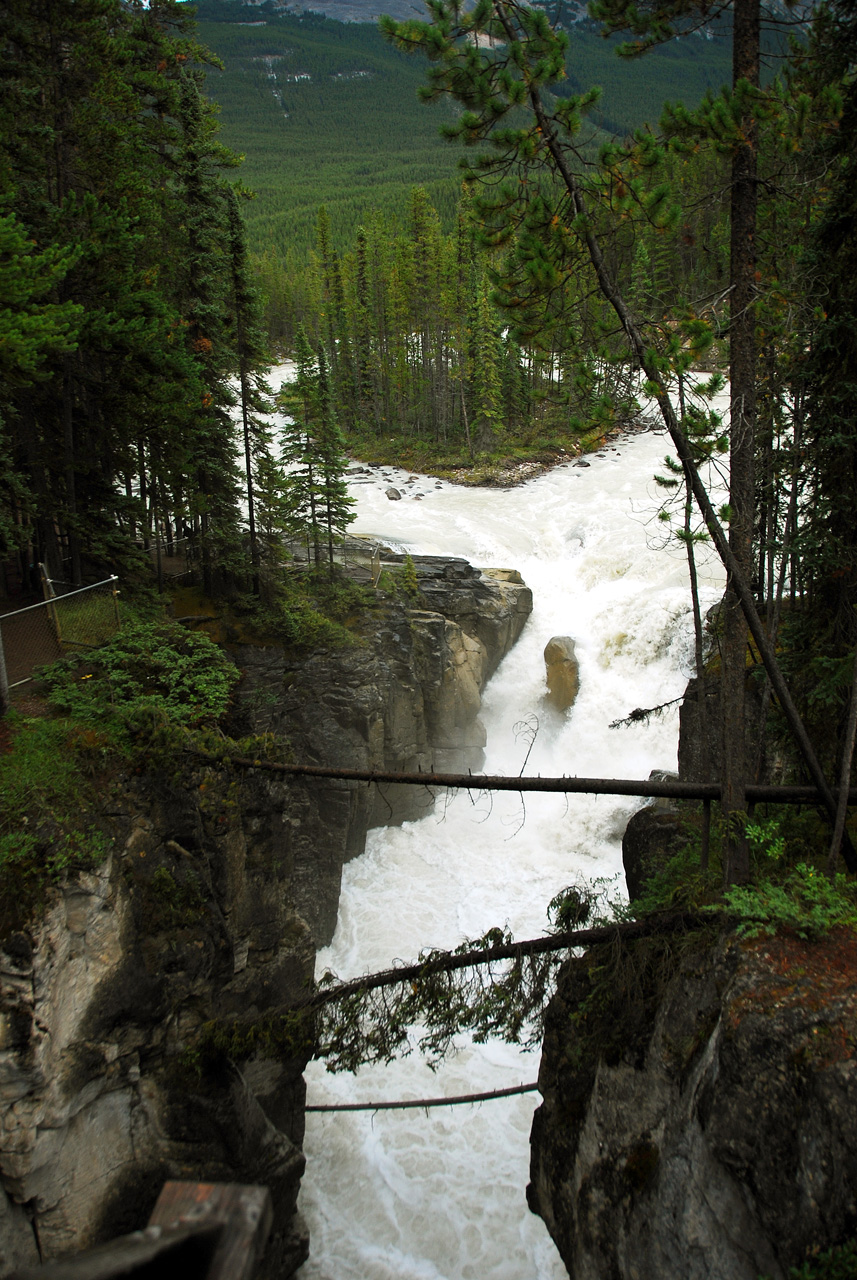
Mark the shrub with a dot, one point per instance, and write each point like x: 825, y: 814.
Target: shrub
x: 151, y: 666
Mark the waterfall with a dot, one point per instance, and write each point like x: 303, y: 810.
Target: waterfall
x: 439, y: 1194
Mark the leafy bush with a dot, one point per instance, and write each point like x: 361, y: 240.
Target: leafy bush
x: 838, y: 1263
x: 147, y: 666
x: 806, y: 901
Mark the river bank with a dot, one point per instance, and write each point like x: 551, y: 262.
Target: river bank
x: 498, y: 471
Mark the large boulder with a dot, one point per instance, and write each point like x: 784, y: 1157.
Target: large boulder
x: 562, y: 671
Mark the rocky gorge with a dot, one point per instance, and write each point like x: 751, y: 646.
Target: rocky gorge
x: 219, y: 887
x: 696, y: 1118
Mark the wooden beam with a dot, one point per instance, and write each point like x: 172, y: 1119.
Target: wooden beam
x: 197, y: 1231
x: 244, y: 1213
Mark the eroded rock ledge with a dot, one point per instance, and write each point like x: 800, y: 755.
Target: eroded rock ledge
x: 217, y: 892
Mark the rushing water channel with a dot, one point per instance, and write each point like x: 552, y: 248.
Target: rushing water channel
x: 439, y: 1194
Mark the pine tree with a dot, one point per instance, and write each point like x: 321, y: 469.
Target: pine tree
x: 250, y: 349
x: 485, y: 380
x: 331, y: 464
x: 299, y: 402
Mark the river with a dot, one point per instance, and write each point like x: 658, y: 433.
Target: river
x: 439, y: 1194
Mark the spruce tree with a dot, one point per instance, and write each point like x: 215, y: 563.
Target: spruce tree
x: 250, y: 351
x: 331, y: 464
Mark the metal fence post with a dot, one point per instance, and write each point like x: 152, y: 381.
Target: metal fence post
x: 4, y: 679
x: 50, y: 594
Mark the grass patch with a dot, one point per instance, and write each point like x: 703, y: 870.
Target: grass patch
x: 514, y: 460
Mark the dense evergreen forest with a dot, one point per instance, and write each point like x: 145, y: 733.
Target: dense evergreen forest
x: 327, y: 113
x: 129, y: 335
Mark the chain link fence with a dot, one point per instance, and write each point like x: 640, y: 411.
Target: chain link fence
x: 77, y: 620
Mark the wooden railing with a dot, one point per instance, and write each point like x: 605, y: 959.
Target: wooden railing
x: 197, y: 1231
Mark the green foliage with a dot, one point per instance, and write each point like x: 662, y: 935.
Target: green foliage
x: 32, y: 329
x: 179, y: 902
x: 148, y: 667
x: 49, y: 809
x: 115, y: 390
x: 805, y: 901
x: 410, y: 585
x: 838, y: 1263
x: 297, y: 624
x: 504, y: 999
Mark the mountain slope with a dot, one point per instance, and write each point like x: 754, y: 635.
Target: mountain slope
x: 326, y: 112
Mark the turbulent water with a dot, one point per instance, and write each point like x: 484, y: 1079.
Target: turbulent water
x: 439, y: 1194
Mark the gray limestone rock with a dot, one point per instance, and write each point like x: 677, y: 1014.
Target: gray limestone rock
x: 218, y: 889
x: 190, y: 919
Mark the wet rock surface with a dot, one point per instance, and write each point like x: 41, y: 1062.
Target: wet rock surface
x: 406, y: 701
x: 715, y: 1139
x: 189, y: 919
x: 562, y: 672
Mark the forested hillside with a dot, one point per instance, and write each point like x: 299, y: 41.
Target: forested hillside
x: 327, y: 113
x: 129, y: 334
x: 131, y: 338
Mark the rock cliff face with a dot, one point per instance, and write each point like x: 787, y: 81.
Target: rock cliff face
x: 698, y: 1121
x: 723, y: 1144
x: 408, y: 701
x: 217, y: 892
x: 189, y: 919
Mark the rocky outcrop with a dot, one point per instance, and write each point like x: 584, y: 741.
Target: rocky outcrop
x: 697, y: 1116
x: 217, y: 891
x: 405, y: 701
x: 188, y: 920
x: 562, y: 672
x: 719, y: 1144
x: 653, y: 837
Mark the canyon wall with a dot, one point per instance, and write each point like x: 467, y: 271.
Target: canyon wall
x: 713, y: 1134
x: 219, y: 887
x: 699, y: 1091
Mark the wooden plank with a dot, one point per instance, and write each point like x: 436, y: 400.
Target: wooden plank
x: 245, y: 1213
x: 197, y: 1231
x: 188, y: 1251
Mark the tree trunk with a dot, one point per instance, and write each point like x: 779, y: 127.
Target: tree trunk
x: 742, y: 375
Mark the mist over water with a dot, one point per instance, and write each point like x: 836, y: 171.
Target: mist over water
x: 439, y: 1194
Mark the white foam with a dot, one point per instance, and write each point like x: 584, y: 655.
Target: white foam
x: 439, y: 1195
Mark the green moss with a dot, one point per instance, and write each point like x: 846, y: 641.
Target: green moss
x: 50, y: 815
